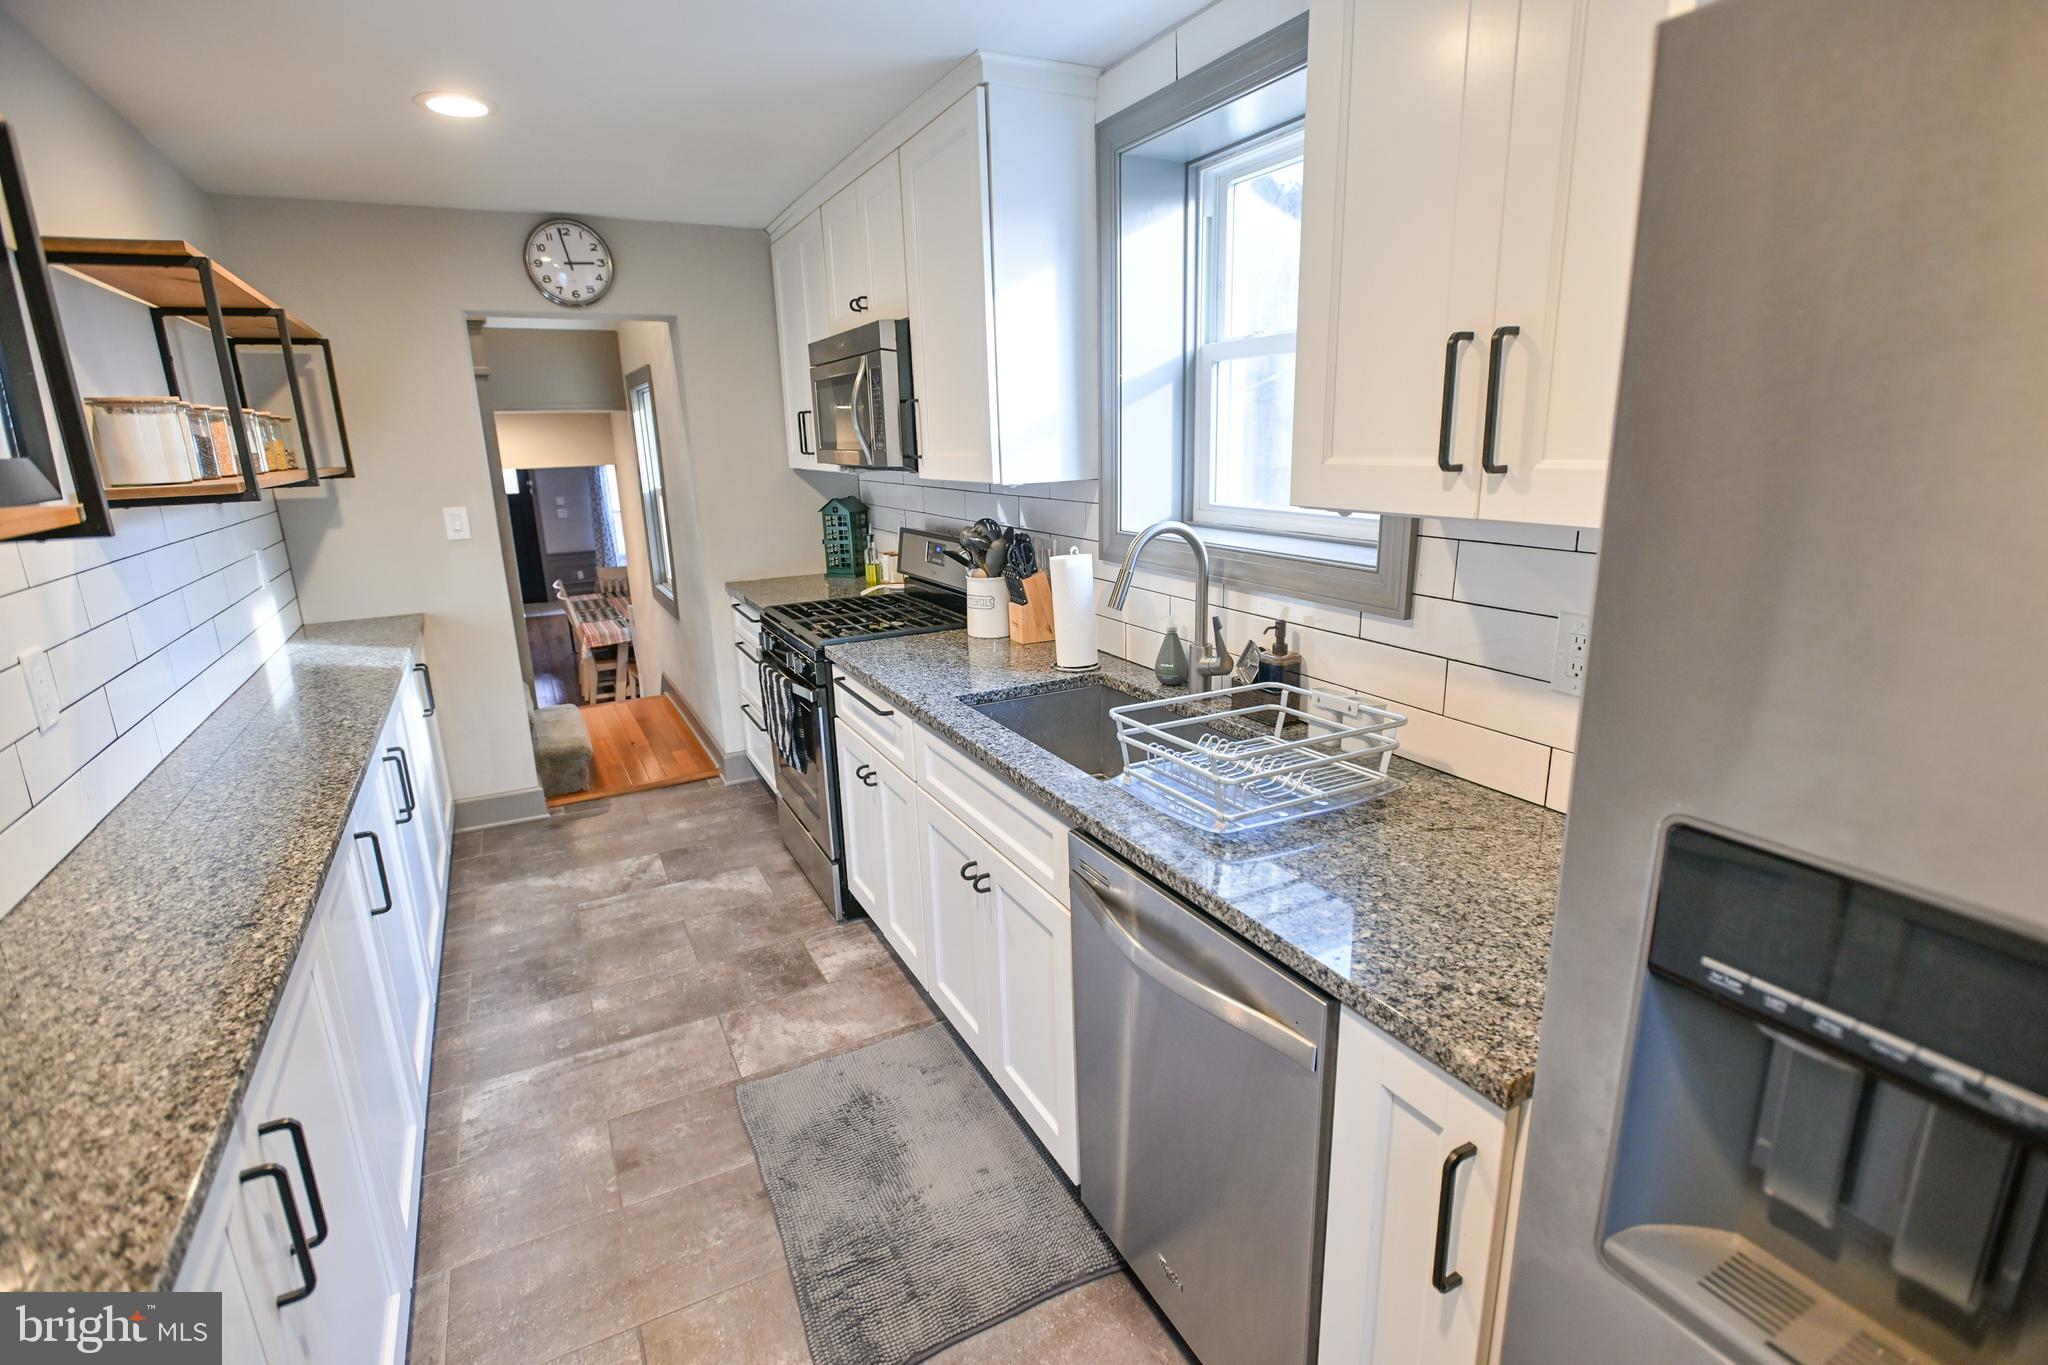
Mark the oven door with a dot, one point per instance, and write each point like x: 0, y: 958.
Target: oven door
x: 798, y: 732
x: 855, y: 406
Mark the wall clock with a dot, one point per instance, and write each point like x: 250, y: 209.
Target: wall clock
x: 568, y: 262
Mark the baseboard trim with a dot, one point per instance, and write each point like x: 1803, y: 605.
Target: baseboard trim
x: 690, y: 717
x: 740, y: 768
x: 501, y: 808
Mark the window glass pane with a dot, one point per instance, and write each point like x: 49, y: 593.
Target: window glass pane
x: 652, y: 499
x: 1261, y: 253
x: 1252, y: 431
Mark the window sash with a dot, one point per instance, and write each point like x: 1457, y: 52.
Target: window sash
x: 653, y: 495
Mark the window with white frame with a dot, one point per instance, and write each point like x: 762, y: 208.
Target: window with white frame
x: 653, y: 489
x: 1200, y: 195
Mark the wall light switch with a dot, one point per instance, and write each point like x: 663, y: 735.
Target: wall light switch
x: 42, y: 688
x: 1574, y: 640
x: 456, y: 519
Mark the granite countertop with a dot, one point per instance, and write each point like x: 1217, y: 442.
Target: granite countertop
x: 804, y: 587
x: 1428, y: 910
x: 138, y: 979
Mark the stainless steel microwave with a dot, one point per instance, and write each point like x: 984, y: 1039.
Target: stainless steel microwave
x: 861, y: 399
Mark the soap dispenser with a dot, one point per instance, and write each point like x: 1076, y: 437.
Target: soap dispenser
x: 1171, y: 667
x: 1279, y: 664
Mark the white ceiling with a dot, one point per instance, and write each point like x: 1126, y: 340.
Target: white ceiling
x: 701, y: 111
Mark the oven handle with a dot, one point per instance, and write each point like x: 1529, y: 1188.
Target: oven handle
x: 1236, y: 1013
x: 795, y: 684
x: 862, y: 378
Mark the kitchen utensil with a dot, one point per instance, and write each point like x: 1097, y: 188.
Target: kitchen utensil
x: 1246, y: 670
x: 988, y: 614
x: 958, y: 557
x: 998, y: 561
x: 1031, y: 620
x: 1023, y: 563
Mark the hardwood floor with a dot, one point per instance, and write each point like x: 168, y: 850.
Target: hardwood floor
x: 610, y: 974
x: 638, y: 745
x: 554, y: 660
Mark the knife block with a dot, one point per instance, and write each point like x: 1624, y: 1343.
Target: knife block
x: 1031, y: 623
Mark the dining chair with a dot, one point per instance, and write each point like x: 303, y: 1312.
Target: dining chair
x: 612, y: 581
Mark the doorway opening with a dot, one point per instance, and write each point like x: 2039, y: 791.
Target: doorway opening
x: 578, y: 476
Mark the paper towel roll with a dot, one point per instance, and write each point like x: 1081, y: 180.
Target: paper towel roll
x: 1073, y: 611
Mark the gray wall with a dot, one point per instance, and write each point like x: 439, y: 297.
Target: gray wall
x: 553, y: 369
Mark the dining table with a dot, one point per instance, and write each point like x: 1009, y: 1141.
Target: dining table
x: 600, y: 620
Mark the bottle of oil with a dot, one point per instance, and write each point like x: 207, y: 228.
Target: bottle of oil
x: 872, y: 558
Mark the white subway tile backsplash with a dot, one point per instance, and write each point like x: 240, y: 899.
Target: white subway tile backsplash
x: 1558, y: 797
x: 1436, y: 566
x: 17, y: 713
x: 48, y: 757
x: 1524, y: 579
x: 191, y: 652
x: 13, y: 577
x: 38, y: 841
x: 13, y: 788
x: 128, y: 583
x: 204, y: 597
x: 1516, y: 705
x: 159, y: 623
x: 140, y: 690
x: 41, y: 617
x: 1403, y: 676
x: 1513, y: 641
x: 87, y: 661
x: 1503, y: 762
x: 113, y: 773
x: 1501, y: 532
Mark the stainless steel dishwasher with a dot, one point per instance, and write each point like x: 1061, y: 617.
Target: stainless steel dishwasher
x: 1203, y: 1075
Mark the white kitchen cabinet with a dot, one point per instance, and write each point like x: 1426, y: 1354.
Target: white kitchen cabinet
x: 1032, y: 1046
x: 962, y: 976
x: 387, y: 860
x: 746, y: 638
x: 1514, y: 237
x: 803, y: 314
x: 863, y: 226
x: 431, y: 793
x: 1403, y: 1132
x: 1002, y: 969
x: 356, y: 1310
x: 341, y: 1071
x: 878, y: 815
x: 999, y: 242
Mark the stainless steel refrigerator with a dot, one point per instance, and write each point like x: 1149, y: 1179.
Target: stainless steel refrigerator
x: 1790, y: 1100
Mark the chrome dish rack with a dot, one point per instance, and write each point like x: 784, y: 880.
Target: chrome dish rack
x: 1292, y: 752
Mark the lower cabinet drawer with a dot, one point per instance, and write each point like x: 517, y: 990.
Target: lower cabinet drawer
x: 758, y: 751
x: 886, y: 729
x: 1012, y: 822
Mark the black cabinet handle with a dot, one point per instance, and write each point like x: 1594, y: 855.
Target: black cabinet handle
x: 1444, y: 423
x: 298, y: 1133
x: 1445, y: 1279
x: 1491, y: 441
x: 748, y: 712
x: 412, y: 804
x: 747, y: 654
x: 968, y: 874
x: 803, y: 436
x: 426, y: 681
x: 863, y: 700
x: 865, y: 774
x: 404, y: 786
x: 301, y: 1253
x: 383, y: 881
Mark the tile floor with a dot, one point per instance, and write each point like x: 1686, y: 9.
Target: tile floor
x: 590, y: 1195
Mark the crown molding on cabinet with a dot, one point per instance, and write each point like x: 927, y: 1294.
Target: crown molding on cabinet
x: 980, y: 68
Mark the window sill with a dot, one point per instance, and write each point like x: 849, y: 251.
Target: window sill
x: 1373, y: 578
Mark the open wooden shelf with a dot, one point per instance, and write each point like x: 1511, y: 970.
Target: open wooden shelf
x: 171, y: 285
x: 230, y: 487
x: 39, y: 518
x: 335, y: 471
x: 279, y: 478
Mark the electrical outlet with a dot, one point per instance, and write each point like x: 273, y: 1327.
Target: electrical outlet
x: 456, y: 519
x: 42, y: 688
x: 1574, y: 640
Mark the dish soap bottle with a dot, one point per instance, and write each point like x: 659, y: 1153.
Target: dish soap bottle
x: 1279, y: 664
x: 1171, y: 667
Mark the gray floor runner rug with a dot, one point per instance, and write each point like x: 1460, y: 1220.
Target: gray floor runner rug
x: 915, y: 1209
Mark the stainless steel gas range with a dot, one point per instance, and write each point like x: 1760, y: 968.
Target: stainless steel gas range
x: 796, y: 695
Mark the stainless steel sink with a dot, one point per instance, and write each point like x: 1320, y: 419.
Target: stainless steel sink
x: 1072, y: 724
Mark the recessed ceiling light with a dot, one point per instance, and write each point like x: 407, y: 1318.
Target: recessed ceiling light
x: 451, y: 105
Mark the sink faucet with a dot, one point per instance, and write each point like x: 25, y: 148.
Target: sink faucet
x: 1207, y: 665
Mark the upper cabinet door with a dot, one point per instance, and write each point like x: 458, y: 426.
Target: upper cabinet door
x: 948, y: 263
x: 1567, y: 242
x: 803, y: 314
x: 1407, y: 138
x: 863, y: 226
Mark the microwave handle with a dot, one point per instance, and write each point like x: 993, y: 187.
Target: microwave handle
x: 864, y: 376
